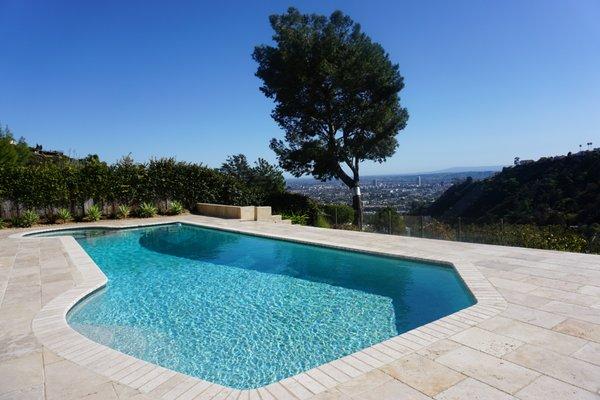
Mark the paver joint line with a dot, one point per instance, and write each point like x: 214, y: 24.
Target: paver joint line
x: 573, y: 313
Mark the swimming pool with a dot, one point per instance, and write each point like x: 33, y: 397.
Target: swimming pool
x: 245, y: 311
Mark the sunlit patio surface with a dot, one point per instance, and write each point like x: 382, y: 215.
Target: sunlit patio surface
x: 533, y: 334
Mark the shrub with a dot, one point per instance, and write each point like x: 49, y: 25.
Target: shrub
x: 439, y: 230
x: 27, y: 219
x: 175, y: 208
x: 288, y: 203
x: 339, y: 214
x: 147, y: 210
x: 94, y: 213
x: 50, y: 185
x: 63, y: 215
x: 299, y: 219
x: 123, y: 211
x: 321, y: 221
x: 387, y: 220
x: 1, y: 223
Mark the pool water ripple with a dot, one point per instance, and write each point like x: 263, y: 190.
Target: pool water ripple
x: 245, y: 311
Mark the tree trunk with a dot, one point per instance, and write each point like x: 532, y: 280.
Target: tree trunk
x: 358, y: 207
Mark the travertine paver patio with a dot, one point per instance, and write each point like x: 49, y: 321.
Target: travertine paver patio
x: 535, y: 333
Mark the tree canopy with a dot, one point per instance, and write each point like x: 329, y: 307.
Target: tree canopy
x: 12, y: 152
x: 263, y: 176
x: 563, y: 190
x: 335, y: 92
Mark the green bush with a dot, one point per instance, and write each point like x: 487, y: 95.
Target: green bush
x: 294, y: 203
x: 339, y: 214
x: 147, y: 210
x: 26, y: 220
x: 175, y: 208
x: 550, y: 237
x: 94, y: 213
x: 321, y: 221
x: 2, y: 223
x: 123, y: 211
x: 299, y: 219
x: 71, y: 184
x: 387, y: 220
x: 63, y: 215
x: 539, y: 237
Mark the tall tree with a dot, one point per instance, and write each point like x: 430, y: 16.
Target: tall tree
x: 238, y: 166
x: 12, y: 152
x: 263, y: 176
x: 336, y: 97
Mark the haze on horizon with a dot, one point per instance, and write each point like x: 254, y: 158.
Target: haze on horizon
x: 485, y: 82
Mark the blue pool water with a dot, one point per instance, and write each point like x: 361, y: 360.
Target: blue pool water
x: 245, y: 311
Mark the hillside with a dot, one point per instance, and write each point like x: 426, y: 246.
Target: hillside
x: 550, y: 191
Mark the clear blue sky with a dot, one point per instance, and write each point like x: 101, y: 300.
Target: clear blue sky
x: 485, y: 81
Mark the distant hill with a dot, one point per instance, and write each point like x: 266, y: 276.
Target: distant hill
x: 489, y: 168
x: 551, y: 190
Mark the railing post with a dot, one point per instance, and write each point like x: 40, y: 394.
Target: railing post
x: 421, y: 223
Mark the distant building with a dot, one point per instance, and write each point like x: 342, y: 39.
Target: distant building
x: 419, y: 181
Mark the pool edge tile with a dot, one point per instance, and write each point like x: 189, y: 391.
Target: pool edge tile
x: 50, y: 321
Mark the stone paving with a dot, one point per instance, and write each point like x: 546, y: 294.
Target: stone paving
x: 534, y: 333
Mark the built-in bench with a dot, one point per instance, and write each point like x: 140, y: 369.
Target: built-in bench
x: 244, y: 213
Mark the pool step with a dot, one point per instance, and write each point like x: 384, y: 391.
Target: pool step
x: 279, y: 220
x: 244, y: 213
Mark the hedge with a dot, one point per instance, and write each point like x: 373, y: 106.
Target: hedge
x: 48, y: 186
x: 295, y: 204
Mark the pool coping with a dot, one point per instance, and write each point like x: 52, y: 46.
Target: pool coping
x: 52, y: 330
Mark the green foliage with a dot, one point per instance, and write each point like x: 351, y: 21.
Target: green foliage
x: 147, y: 210
x: 12, y: 152
x: 263, y: 177
x: 592, y: 235
x: 93, y: 180
x: 238, y: 166
x: 94, y: 213
x: 166, y: 179
x: 47, y: 186
x: 388, y: 220
x: 2, y: 224
x: 123, y: 211
x: 63, y: 215
x: 26, y: 219
x: 561, y: 190
x: 299, y: 219
x: 335, y: 93
x: 128, y: 179
x: 549, y: 237
x: 175, y: 208
x: 321, y: 221
x: 34, y: 186
x: 287, y: 203
x: 338, y: 214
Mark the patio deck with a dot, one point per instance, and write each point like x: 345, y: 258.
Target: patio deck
x: 534, y: 334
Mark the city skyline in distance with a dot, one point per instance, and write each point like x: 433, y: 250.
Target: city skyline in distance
x: 448, y: 171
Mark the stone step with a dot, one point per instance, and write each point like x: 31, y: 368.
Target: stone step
x: 279, y: 220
